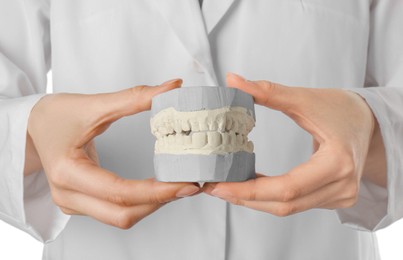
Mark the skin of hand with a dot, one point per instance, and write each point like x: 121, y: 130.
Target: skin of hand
x: 61, y: 129
x: 347, y: 147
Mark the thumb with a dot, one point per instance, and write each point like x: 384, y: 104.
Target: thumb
x: 264, y: 93
x: 132, y: 100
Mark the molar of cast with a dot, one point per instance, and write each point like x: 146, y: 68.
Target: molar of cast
x: 163, y: 130
x: 242, y: 128
x: 171, y: 139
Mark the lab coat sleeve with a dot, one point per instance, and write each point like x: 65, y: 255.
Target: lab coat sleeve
x: 24, y: 62
x: 379, y: 207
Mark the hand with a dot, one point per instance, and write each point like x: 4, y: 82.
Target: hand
x: 62, y: 128
x: 342, y: 126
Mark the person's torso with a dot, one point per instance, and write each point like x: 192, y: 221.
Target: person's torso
x: 108, y: 45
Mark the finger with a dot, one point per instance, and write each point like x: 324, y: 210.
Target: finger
x: 132, y: 100
x: 266, y: 93
x: 315, y: 145
x: 321, y: 198
x: 88, y: 178
x: 107, y: 212
x: 300, y: 181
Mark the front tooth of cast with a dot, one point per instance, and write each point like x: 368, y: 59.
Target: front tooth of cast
x: 221, y: 122
x: 250, y: 147
x: 199, y: 139
x: 214, y: 139
x: 212, y: 124
x: 203, y: 125
x: 194, y: 125
x: 225, y: 138
x: 185, y: 126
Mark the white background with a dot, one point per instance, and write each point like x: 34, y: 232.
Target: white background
x: 17, y: 245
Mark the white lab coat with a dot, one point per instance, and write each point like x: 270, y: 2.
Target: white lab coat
x: 106, y: 45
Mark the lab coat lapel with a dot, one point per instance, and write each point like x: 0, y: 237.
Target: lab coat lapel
x: 214, y: 11
x: 186, y: 20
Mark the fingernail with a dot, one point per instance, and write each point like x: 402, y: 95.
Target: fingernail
x: 222, y: 194
x: 230, y: 74
x: 187, y: 191
x: 169, y: 82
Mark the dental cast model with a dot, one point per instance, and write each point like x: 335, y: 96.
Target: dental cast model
x: 217, y: 131
x: 202, y: 135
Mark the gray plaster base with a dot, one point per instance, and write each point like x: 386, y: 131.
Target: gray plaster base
x: 233, y: 167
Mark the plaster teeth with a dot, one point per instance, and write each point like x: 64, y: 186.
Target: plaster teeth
x: 239, y: 140
x: 213, y: 126
x: 185, y: 126
x: 228, y: 123
x: 214, y: 139
x: 199, y: 139
x: 242, y: 129
x: 203, y: 125
x: 225, y: 139
x: 169, y: 128
x: 178, y: 127
x: 163, y: 130
x: 235, y: 126
x: 219, y: 131
x: 187, y: 140
x: 194, y: 125
x: 232, y: 137
x: 221, y: 122
x: 171, y: 139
